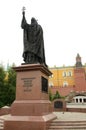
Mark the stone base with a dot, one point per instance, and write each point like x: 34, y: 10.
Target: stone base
x: 31, y: 108
x: 28, y: 122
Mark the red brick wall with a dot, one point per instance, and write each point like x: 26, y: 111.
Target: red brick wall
x: 64, y: 91
x: 80, y: 79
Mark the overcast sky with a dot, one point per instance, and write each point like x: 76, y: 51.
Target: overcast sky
x: 63, y: 23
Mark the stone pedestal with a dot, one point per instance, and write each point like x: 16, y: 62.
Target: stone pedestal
x: 32, y: 109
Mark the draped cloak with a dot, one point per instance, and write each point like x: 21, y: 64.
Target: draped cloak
x: 33, y: 40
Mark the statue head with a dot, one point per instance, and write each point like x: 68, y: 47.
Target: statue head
x: 33, y: 21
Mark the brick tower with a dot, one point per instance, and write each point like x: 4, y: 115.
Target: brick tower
x: 79, y: 75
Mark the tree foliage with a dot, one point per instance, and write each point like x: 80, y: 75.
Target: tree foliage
x: 7, y: 85
x: 54, y: 96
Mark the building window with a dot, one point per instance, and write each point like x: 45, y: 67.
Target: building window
x: 69, y: 73
x: 65, y: 84
x: 76, y: 100
x: 84, y: 99
x: 51, y: 84
x: 80, y: 99
x: 64, y: 74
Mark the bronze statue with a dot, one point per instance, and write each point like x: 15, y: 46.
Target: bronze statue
x: 33, y: 42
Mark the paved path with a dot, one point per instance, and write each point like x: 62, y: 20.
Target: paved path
x: 3, y: 117
x: 70, y: 116
x: 62, y: 116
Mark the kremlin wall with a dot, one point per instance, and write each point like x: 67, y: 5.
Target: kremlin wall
x: 68, y: 79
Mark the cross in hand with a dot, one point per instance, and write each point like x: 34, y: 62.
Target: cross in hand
x: 23, y: 9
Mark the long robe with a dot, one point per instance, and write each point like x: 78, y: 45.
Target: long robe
x: 33, y: 40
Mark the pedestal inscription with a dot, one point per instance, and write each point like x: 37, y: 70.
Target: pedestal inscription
x: 27, y: 83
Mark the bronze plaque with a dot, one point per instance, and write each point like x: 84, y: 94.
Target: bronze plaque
x: 44, y: 84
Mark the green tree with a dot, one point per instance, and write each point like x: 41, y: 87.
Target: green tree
x: 11, y: 84
x: 2, y: 85
x: 7, y: 85
x: 54, y: 96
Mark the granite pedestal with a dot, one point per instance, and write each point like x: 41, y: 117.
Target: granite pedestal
x: 31, y: 109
